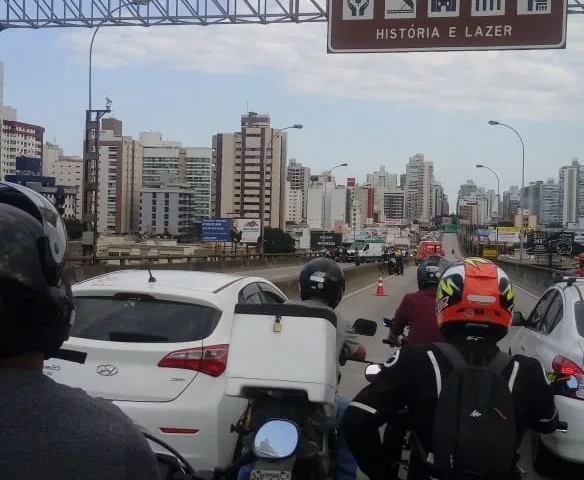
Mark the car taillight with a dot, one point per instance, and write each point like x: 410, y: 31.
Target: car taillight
x: 210, y: 360
x: 565, y: 367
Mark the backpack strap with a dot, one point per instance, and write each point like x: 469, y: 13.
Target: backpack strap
x: 452, y: 354
x: 500, y: 362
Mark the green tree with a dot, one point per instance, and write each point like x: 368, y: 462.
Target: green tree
x: 74, y: 228
x: 278, y: 241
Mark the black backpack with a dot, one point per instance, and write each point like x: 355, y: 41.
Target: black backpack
x: 474, y: 433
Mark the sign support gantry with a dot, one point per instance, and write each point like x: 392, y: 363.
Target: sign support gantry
x: 83, y: 13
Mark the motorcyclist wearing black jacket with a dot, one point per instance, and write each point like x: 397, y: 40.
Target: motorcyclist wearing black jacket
x: 50, y: 431
x: 414, y: 376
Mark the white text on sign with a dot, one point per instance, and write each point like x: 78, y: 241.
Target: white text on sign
x: 413, y: 32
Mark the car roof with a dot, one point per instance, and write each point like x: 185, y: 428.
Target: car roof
x: 208, y: 282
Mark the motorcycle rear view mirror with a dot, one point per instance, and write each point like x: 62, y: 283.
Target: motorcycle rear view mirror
x: 372, y: 371
x: 566, y: 386
x: 386, y: 322
x: 365, y: 327
x: 276, y: 439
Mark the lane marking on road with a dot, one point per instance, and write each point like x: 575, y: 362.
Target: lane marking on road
x: 527, y: 292
x: 349, y: 295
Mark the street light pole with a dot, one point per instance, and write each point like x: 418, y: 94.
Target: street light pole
x: 496, y: 123
x: 498, y: 201
x: 328, y: 173
x: 91, y: 150
x: 264, y: 161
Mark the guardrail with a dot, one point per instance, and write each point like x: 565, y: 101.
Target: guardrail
x: 151, y: 260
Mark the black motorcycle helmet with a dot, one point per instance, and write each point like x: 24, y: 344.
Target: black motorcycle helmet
x: 36, y: 307
x: 430, y: 271
x: 323, y: 279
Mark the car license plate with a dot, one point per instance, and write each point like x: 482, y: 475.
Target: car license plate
x: 270, y: 475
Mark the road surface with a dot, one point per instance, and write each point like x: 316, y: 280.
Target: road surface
x: 276, y: 273
x: 364, y: 304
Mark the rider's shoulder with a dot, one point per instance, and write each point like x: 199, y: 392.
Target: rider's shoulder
x: 92, y: 409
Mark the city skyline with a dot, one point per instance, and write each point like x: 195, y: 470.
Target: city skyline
x: 194, y: 82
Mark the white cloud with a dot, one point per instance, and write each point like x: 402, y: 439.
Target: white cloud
x: 544, y: 85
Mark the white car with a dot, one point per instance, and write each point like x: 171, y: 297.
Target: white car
x: 158, y: 349
x: 554, y: 334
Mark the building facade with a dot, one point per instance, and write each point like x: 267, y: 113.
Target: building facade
x: 238, y: 159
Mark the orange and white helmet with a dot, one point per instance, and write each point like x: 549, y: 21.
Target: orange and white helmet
x: 475, y: 290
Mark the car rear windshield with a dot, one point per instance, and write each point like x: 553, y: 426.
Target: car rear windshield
x: 142, y: 320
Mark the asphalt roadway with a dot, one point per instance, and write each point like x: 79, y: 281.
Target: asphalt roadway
x: 363, y: 303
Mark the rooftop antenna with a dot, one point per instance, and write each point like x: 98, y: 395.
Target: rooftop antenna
x: 151, y: 279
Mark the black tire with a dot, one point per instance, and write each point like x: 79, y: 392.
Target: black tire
x: 544, y: 462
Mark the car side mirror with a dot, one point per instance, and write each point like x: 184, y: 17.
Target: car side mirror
x: 517, y: 319
x: 365, y: 327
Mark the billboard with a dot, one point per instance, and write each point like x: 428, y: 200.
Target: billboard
x: 320, y: 240
x: 230, y: 230
x: 445, y: 25
x: 246, y: 229
x: 215, y: 230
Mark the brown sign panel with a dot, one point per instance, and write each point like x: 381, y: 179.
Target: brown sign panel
x: 367, y: 26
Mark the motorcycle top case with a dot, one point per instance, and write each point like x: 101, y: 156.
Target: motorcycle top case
x: 288, y: 346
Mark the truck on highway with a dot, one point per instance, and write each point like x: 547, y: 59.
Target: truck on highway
x: 370, y: 250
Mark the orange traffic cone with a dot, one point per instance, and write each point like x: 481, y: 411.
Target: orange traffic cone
x: 380, y: 291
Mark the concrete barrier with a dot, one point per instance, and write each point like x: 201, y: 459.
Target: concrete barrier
x: 78, y: 273
x: 534, y: 278
x: 355, y: 278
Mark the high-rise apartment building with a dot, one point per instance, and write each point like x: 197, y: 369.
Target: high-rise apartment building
x: 568, y: 180
x: 298, y: 178
x: 381, y: 181
x: 16, y: 138
x: 393, y: 204
x: 182, y: 165
x: 238, y: 159
x: 510, y: 206
x: 437, y: 199
x: 418, y: 188
x: 168, y: 208
x: 550, y: 204
x: 120, y: 180
x: 67, y: 170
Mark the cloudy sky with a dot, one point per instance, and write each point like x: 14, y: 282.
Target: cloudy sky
x: 367, y: 110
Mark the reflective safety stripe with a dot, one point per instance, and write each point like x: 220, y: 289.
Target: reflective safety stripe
x: 362, y: 406
x: 393, y: 360
x: 432, y: 358
x: 513, y: 376
x: 553, y: 417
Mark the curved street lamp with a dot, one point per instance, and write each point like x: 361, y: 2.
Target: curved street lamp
x: 478, y: 165
x: 328, y: 173
x: 106, y: 19
x: 275, y: 132
x: 509, y: 127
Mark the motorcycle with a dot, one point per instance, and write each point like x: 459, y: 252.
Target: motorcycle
x: 315, y: 419
x: 276, y: 440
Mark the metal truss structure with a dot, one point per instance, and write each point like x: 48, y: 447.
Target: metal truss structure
x: 147, y: 13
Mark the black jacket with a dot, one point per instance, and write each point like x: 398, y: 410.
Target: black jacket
x: 409, y: 379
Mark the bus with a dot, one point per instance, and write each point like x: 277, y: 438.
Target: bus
x: 450, y: 228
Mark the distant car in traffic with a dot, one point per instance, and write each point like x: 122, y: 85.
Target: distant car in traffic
x: 157, y: 347
x: 554, y: 334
